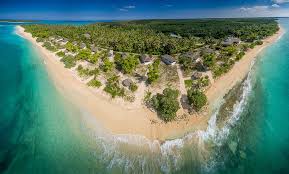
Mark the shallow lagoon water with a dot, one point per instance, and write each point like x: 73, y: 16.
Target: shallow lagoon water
x: 39, y: 129
x: 41, y: 132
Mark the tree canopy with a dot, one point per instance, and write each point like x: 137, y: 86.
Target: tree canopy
x: 197, y: 99
x: 128, y: 64
x: 153, y: 73
x: 166, y: 104
x: 154, y: 36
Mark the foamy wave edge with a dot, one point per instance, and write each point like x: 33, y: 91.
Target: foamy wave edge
x: 167, y: 155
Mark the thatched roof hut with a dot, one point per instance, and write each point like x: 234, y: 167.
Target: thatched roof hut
x: 127, y: 82
x: 230, y: 41
x: 168, y: 60
x: 196, y: 75
x: 82, y: 46
x: 86, y: 35
x: 145, y: 59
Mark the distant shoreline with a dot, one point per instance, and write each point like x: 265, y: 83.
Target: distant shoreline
x: 120, y: 120
x: 240, y: 69
x: 17, y: 21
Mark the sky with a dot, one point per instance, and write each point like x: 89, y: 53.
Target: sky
x: 140, y: 9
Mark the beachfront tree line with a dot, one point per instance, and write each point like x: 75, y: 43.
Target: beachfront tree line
x: 155, y: 37
x: 208, y: 29
x: 117, y: 38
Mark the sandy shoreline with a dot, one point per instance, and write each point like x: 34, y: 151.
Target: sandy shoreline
x: 239, y: 70
x: 119, y: 120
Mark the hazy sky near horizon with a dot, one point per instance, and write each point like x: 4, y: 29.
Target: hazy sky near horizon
x: 140, y: 9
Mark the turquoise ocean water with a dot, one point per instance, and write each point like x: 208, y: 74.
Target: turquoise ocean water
x: 41, y: 132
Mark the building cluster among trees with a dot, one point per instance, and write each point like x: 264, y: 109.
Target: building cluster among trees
x: 121, y: 56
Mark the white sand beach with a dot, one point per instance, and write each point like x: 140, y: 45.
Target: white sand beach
x: 121, y: 120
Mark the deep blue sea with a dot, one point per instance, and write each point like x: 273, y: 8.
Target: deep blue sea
x: 42, y: 132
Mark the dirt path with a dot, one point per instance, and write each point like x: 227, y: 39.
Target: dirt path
x: 182, y: 89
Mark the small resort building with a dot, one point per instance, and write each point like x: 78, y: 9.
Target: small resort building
x: 231, y: 41
x: 51, y: 38
x: 168, y: 60
x: 86, y: 35
x: 127, y: 82
x: 196, y: 75
x: 145, y: 59
x: 82, y: 46
x: 206, y: 51
x: 123, y: 55
x: 191, y: 55
x: 93, y: 48
x: 62, y: 42
x: 175, y: 35
x: 110, y: 54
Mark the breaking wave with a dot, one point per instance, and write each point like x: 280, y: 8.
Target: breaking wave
x: 218, y: 135
x: 137, y: 154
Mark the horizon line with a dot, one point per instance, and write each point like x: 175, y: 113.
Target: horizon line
x: 147, y: 19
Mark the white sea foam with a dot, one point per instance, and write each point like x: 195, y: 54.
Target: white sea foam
x: 15, y: 22
x: 166, y: 156
x: 114, y: 154
x: 212, y: 131
x: 17, y: 32
x: 114, y: 149
x: 171, y: 150
x: 219, y: 136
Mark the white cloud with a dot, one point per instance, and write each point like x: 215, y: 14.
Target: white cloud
x: 254, y: 8
x: 262, y: 11
x: 280, y: 1
x: 129, y: 7
x: 168, y: 5
x: 245, y: 8
x: 123, y: 9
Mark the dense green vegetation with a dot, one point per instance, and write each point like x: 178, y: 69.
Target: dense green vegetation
x: 197, y: 99
x: 246, y: 29
x: 68, y: 61
x: 198, y: 45
x: 133, y: 87
x: 60, y: 54
x: 188, y: 83
x: 70, y: 47
x: 153, y: 73
x: 240, y: 55
x: 186, y: 64
x: 127, y: 65
x: 258, y: 42
x: 94, y: 83
x: 166, y: 104
x: 48, y: 46
x: 39, y: 39
x: 93, y: 58
x: 113, y: 88
x: 84, y: 54
x: 209, y: 60
x: 85, y: 72
x: 202, y: 82
x: 218, y: 70
x: 229, y: 51
x: 107, y: 65
x: 153, y: 36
